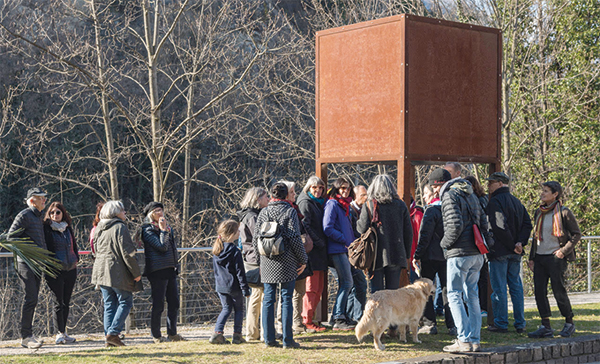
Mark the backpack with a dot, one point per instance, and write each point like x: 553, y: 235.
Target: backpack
x: 362, y: 253
x: 270, y: 238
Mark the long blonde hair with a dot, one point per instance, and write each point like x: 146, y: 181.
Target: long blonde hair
x: 226, y: 230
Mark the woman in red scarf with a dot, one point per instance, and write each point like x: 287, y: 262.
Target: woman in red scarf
x: 554, y: 238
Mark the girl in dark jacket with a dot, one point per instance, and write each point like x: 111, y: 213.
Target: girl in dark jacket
x: 230, y: 281
x: 61, y: 241
x: 160, y: 249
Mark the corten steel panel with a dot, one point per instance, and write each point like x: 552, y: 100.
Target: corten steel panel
x: 453, y: 94
x: 359, y: 90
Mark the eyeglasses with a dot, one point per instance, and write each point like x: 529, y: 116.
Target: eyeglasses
x: 56, y: 212
x: 343, y: 188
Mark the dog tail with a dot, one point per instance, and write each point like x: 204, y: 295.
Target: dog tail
x: 364, y: 325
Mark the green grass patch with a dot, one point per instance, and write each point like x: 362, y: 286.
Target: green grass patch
x: 328, y: 347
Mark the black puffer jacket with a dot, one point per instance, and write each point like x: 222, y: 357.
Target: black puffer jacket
x: 313, y: 223
x: 430, y: 235
x: 509, y: 221
x: 30, y: 223
x: 247, y: 225
x: 457, y: 200
x: 160, y: 249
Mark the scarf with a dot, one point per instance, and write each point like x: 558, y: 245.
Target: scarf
x: 557, y: 228
x: 319, y: 200
x: 345, y: 202
x: 279, y: 200
x: 59, y: 226
x: 434, y: 200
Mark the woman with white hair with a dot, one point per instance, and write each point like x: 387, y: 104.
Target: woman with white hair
x: 115, y: 269
x: 394, y: 232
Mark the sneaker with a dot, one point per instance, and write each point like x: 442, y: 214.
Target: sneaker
x: 428, y: 330
x: 299, y: 330
x: 458, y: 347
x: 176, y: 337
x: 114, y: 340
x: 69, y: 339
x: 273, y: 344
x: 476, y: 347
x: 496, y: 329
x: 541, y: 332
x: 237, y: 339
x: 568, y: 330
x: 453, y: 331
x: 158, y: 340
x: 342, y: 325
x: 292, y: 345
x: 520, y: 330
x: 218, y: 339
x: 483, y: 314
x: 351, y: 322
x: 60, y: 339
x: 31, y: 343
x: 311, y: 328
x: 278, y: 336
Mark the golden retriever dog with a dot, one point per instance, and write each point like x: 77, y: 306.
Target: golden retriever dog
x: 402, y: 307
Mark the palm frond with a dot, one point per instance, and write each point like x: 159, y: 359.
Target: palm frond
x: 41, y: 261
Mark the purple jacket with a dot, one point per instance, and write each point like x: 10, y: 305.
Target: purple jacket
x: 337, y: 227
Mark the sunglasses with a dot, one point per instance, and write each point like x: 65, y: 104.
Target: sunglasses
x: 343, y: 188
x: 56, y: 212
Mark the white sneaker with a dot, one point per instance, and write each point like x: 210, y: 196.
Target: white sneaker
x: 31, y: 343
x: 60, y: 338
x: 69, y: 339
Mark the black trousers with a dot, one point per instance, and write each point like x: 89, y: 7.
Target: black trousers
x: 31, y: 285
x: 484, y: 277
x: 428, y: 270
x: 162, y: 288
x: 549, y: 267
x: 62, y: 287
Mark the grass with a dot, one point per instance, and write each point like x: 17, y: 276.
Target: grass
x: 329, y: 347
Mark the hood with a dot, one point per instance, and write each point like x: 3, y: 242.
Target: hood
x: 247, y: 211
x: 106, y: 224
x: 458, y: 184
x: 226, y: 254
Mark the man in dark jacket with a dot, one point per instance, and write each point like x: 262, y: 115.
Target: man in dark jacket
x: 460, y: 210
x: 511, y: 226
x: 28, y: 224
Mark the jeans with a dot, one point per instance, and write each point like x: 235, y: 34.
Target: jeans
x: 287, y: 311
x: 345, y: 283
x: 231, y: 302
x: 438, y: 301
x: 117, y: 304
x: 505, y: 271
x: 299, y: 292
x: 357, y: 299
x: 463, y: 275
x: 429, y: 269
x: 31, y: 284
x: 62, y: 287
x: 549, y: 267
x: 253, y: 330
x: 162, y: 288
x: 390, y: 274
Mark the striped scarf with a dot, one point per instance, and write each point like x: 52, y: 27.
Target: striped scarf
x: 557, y: 228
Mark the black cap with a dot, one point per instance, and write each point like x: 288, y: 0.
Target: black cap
x: 36, y: 191
x: 151, y: 206
x: 499, y: 176
x: 439, y: 177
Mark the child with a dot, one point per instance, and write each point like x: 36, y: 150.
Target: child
x: 230, y: 281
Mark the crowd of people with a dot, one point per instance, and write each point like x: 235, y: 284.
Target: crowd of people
x: 271, y: 262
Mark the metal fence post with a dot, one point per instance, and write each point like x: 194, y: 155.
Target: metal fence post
x: 589, y: 265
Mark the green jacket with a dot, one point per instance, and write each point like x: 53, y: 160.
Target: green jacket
x: 115, y: 265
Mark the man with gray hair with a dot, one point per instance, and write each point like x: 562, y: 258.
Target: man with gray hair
x: 454, y: 168
x: 28, y: 224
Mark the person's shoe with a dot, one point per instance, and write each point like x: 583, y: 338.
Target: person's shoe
x: 428, y: 330
x: 114, y: 340
x: 273, y: 344
x: 568, y: 330
x: 292, y: 345
x: 60, y: 339
x: 520, y: 330
x: 453, y: 331
x: 158, y: 340
x: 299, y: 330
x: 248, y: 338
x: 311, y: 328
x: 342, y: 325
x: 483, y: 314
x: 218, y: 339
x: 475, y: 347
x: 395, y: 334
x: 69, y: 339
x: 351, y: 322
x: 31, y: 343
x: 496, y: 329
x: 457, y: 347
x: 278, y: 336
x: 176, y: 337
x: 541, y: 332
x: 238, y: 339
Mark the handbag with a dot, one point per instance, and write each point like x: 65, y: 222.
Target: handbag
x: 307, y: 242
x: 477, y: 235
x: 362, y: 253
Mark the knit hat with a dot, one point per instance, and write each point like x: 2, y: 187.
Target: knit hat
x: 439, y: 177
x: 499, y: 176
x: 152, y: 206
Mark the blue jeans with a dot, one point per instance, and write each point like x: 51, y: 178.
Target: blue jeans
x: 505, y: 271
x: 231, y: 302
x: 345, y: 283
x: 287, y: 311
x: 117, y: 304
x: 357, y: 299
x: 438, y: 301
x: 463, y: 275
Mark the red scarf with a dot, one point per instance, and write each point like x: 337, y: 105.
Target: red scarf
x: 279, y: 200
x: 345, y: 202
x: 557, y: 228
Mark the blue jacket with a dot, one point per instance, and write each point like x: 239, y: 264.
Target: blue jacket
x: 337, y: 227
x: 230, y: 275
